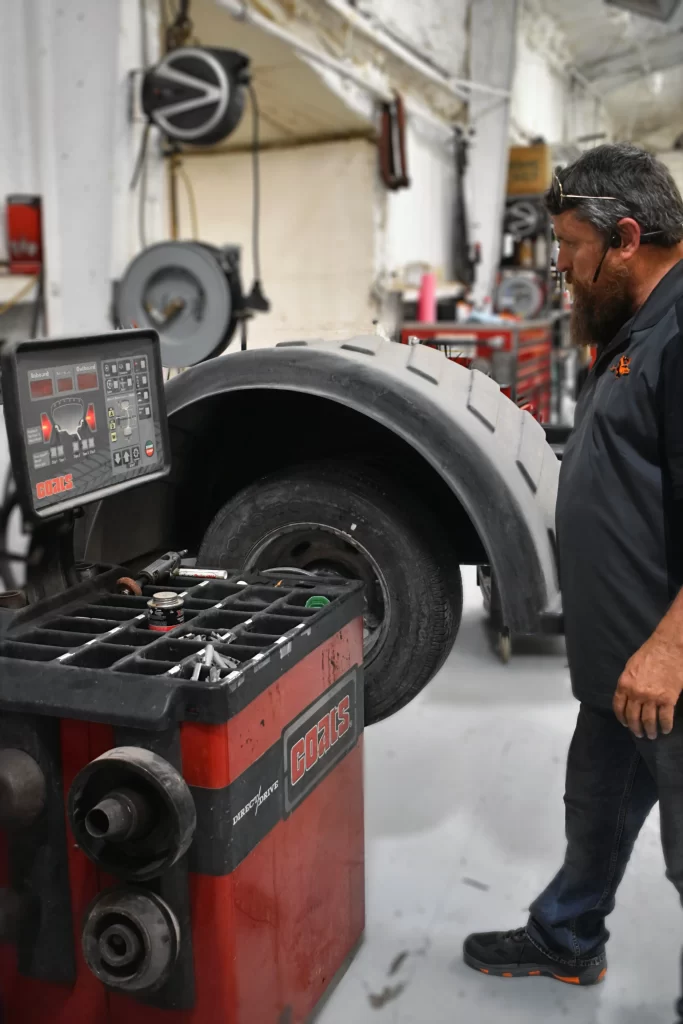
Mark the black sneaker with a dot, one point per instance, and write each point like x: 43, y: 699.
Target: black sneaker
x: 513, y: 955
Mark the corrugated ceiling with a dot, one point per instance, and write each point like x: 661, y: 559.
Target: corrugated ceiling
x: 635, y: 62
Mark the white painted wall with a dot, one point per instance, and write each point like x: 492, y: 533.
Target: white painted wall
x: 416, y: 224
x: 317, y: 233
x: 418, y: 221
x: 64, y: 120
x: 331, y: 230
x: 539, y: 94
x: 64, y: 117
x: 546, y: 100
x: 492, y: 59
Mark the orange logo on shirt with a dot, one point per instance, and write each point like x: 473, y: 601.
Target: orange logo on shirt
x: 621, y: 369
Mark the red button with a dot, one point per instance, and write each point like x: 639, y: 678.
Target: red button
x: 149, y: 449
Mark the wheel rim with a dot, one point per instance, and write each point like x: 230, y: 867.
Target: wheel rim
x: 317, y: 547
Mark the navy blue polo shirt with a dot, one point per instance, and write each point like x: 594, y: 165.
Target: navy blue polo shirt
x: 620, y: 499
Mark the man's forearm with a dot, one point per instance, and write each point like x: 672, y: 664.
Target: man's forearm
x: 670, y: 629
x: 650, y: 686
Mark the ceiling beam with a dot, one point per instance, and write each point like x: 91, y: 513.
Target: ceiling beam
x: 656, y: 54
x: 610, y: 85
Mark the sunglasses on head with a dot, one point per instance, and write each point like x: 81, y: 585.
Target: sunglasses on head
x: 570, y: 195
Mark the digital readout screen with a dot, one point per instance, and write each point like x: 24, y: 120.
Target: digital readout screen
x: 87, y: 381
x: 41, y: 388
x: 65, y: 384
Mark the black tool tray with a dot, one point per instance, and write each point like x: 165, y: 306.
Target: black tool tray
x: 89, y: 654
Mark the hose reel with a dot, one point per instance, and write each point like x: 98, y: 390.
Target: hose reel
x: 189, y: 292
x: 196, y: 94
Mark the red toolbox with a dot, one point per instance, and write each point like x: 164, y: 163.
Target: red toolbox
x: 517, y: 354
x: 179, y: 849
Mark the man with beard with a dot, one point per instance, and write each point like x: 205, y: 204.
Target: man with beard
x: 618, y: 217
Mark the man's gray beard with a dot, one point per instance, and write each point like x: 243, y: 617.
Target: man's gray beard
x: 599, y: 312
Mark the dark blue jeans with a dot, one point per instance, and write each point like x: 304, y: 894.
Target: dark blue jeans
x: 613, y: 782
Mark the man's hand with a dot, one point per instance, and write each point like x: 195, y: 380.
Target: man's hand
x: 650, y: 686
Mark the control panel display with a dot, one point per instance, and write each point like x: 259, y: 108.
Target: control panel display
x: 85, y: 418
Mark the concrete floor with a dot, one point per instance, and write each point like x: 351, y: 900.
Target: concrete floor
x: 464, y: 826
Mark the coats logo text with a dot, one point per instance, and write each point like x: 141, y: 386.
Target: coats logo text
x: 58, y: 484
x: 321, y: 736
x: 319, y: 740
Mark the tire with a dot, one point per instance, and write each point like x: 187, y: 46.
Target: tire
x: 345, y: 519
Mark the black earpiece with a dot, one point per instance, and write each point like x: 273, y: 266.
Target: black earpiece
x: 613, y: 243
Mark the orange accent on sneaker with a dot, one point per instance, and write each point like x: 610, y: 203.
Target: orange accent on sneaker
x: 506, y: 974
x: 483, y: 970
x: 534, y: 974
x: 602, y: 974
x: 567, y: 981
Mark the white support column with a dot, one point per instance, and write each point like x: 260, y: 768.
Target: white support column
x: 127, y: 137
x: 64, y: 112
x: 492, y: 60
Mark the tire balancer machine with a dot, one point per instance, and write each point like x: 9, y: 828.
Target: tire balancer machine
x: 181, y: 810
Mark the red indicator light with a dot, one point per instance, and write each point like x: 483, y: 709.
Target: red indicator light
x: 149, y: 449
x: 46, y: 427
x: 90, y: 418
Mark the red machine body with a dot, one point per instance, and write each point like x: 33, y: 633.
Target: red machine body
x: 24, y: 234
x: 518, y: 354
x: 275, y: 872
